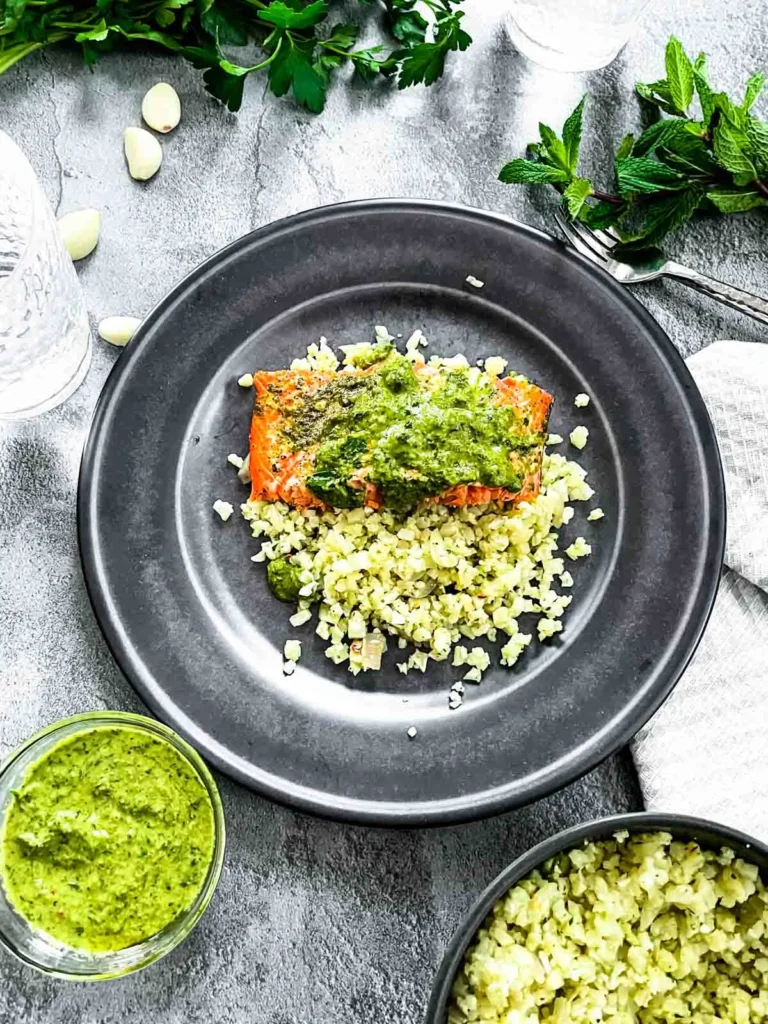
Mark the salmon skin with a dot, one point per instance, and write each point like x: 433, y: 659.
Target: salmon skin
x: 280, y: 468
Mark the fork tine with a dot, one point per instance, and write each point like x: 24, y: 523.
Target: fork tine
x: 577, y: 242
x: 591, y: 239
x: 609, y: 238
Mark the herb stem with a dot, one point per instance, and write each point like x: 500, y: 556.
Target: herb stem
x: 270, y: 58
x: 605, y: 197
x: 762, y: 187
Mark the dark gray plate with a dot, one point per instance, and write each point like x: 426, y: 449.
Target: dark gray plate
x: 189, y: 617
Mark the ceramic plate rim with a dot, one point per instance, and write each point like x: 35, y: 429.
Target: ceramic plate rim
x: 335, y: 806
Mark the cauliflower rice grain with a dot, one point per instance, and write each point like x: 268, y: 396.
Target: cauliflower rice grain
x: 433, y: 577
x: 635, y: 930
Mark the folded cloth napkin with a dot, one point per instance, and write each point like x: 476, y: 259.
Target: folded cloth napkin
x: 705, y: 752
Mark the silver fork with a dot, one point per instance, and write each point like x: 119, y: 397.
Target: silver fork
x: 597, y: 246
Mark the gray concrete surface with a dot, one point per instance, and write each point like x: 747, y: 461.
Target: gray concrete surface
x: 312, y: 922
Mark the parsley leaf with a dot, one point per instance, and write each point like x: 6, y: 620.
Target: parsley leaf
x: 297, y: 55
x: 425, y: 62
x: 283, y: 16
x: 410, y: 28
x: 222, y: 28
x: 293, y: 68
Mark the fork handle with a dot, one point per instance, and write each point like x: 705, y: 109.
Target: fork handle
x: 745, y: 302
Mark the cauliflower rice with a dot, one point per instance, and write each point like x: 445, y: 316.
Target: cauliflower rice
x: 639, y: 930
x: 432, y: 577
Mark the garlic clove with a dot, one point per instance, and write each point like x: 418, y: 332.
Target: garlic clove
x: 161, y: 107
x: 143, y: 153
x: 80, y: 232
x: 118, y: 330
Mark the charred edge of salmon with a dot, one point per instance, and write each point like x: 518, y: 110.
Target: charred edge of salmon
x: 279, y: 475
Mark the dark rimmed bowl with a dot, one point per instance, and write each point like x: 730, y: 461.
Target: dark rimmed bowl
x: 708, y: 834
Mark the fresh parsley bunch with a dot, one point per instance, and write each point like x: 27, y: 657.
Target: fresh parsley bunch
x: 715, y: 159
x: 299, y: 49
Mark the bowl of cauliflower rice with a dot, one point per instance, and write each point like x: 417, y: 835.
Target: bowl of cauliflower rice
x: 634, y: 919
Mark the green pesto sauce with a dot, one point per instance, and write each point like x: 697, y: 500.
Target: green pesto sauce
x: 108, y: 839
x: 365, y: 359
x: 414, y: 441
x: 283, y: 579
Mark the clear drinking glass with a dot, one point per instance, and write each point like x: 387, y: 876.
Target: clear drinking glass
x: 45, y: 340
x: 566, y: 35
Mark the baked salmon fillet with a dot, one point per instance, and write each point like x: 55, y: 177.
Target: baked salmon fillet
x: 395, y: 434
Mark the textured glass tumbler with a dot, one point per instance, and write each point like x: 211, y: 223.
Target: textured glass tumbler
x: 45, y: 341
x: 568, y: 36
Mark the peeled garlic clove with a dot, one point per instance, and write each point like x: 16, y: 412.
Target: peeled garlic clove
x: 118, y: 330
x: 80, y: 232
x: 143, y: 153
x: 161, y: 107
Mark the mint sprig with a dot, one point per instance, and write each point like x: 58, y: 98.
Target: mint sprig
x: 709, y: 154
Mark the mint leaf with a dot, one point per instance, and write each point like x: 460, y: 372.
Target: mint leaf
x: 283, y: 16
x: 757, y: 134
x: 755, y: 86
x: 625, y: 147
x: 661, y: 216
x: 293, y: 68
x: 576, y: 195
x: 641, y: 175
x: 731, y: 147
x: 687, y: 152
x: 656, y: 135
x: 526, y: 172
x: 659, y: 94
x: 734, y: 115
x: 703, y: 90
x: 555, y: 149
x: 736, y: 200
x: 679, y: 75
x: 572, y: 135
x: 603, y: 215
x: 536, y: 152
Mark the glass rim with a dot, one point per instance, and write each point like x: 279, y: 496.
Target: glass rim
x: 178, y: 929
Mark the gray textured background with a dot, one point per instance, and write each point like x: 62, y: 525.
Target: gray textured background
x: 312, y: 922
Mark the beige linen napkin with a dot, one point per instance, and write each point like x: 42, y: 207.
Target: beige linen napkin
x: 705, y: 752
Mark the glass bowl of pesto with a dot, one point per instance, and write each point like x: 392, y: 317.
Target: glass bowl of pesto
x: 111, y: 845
